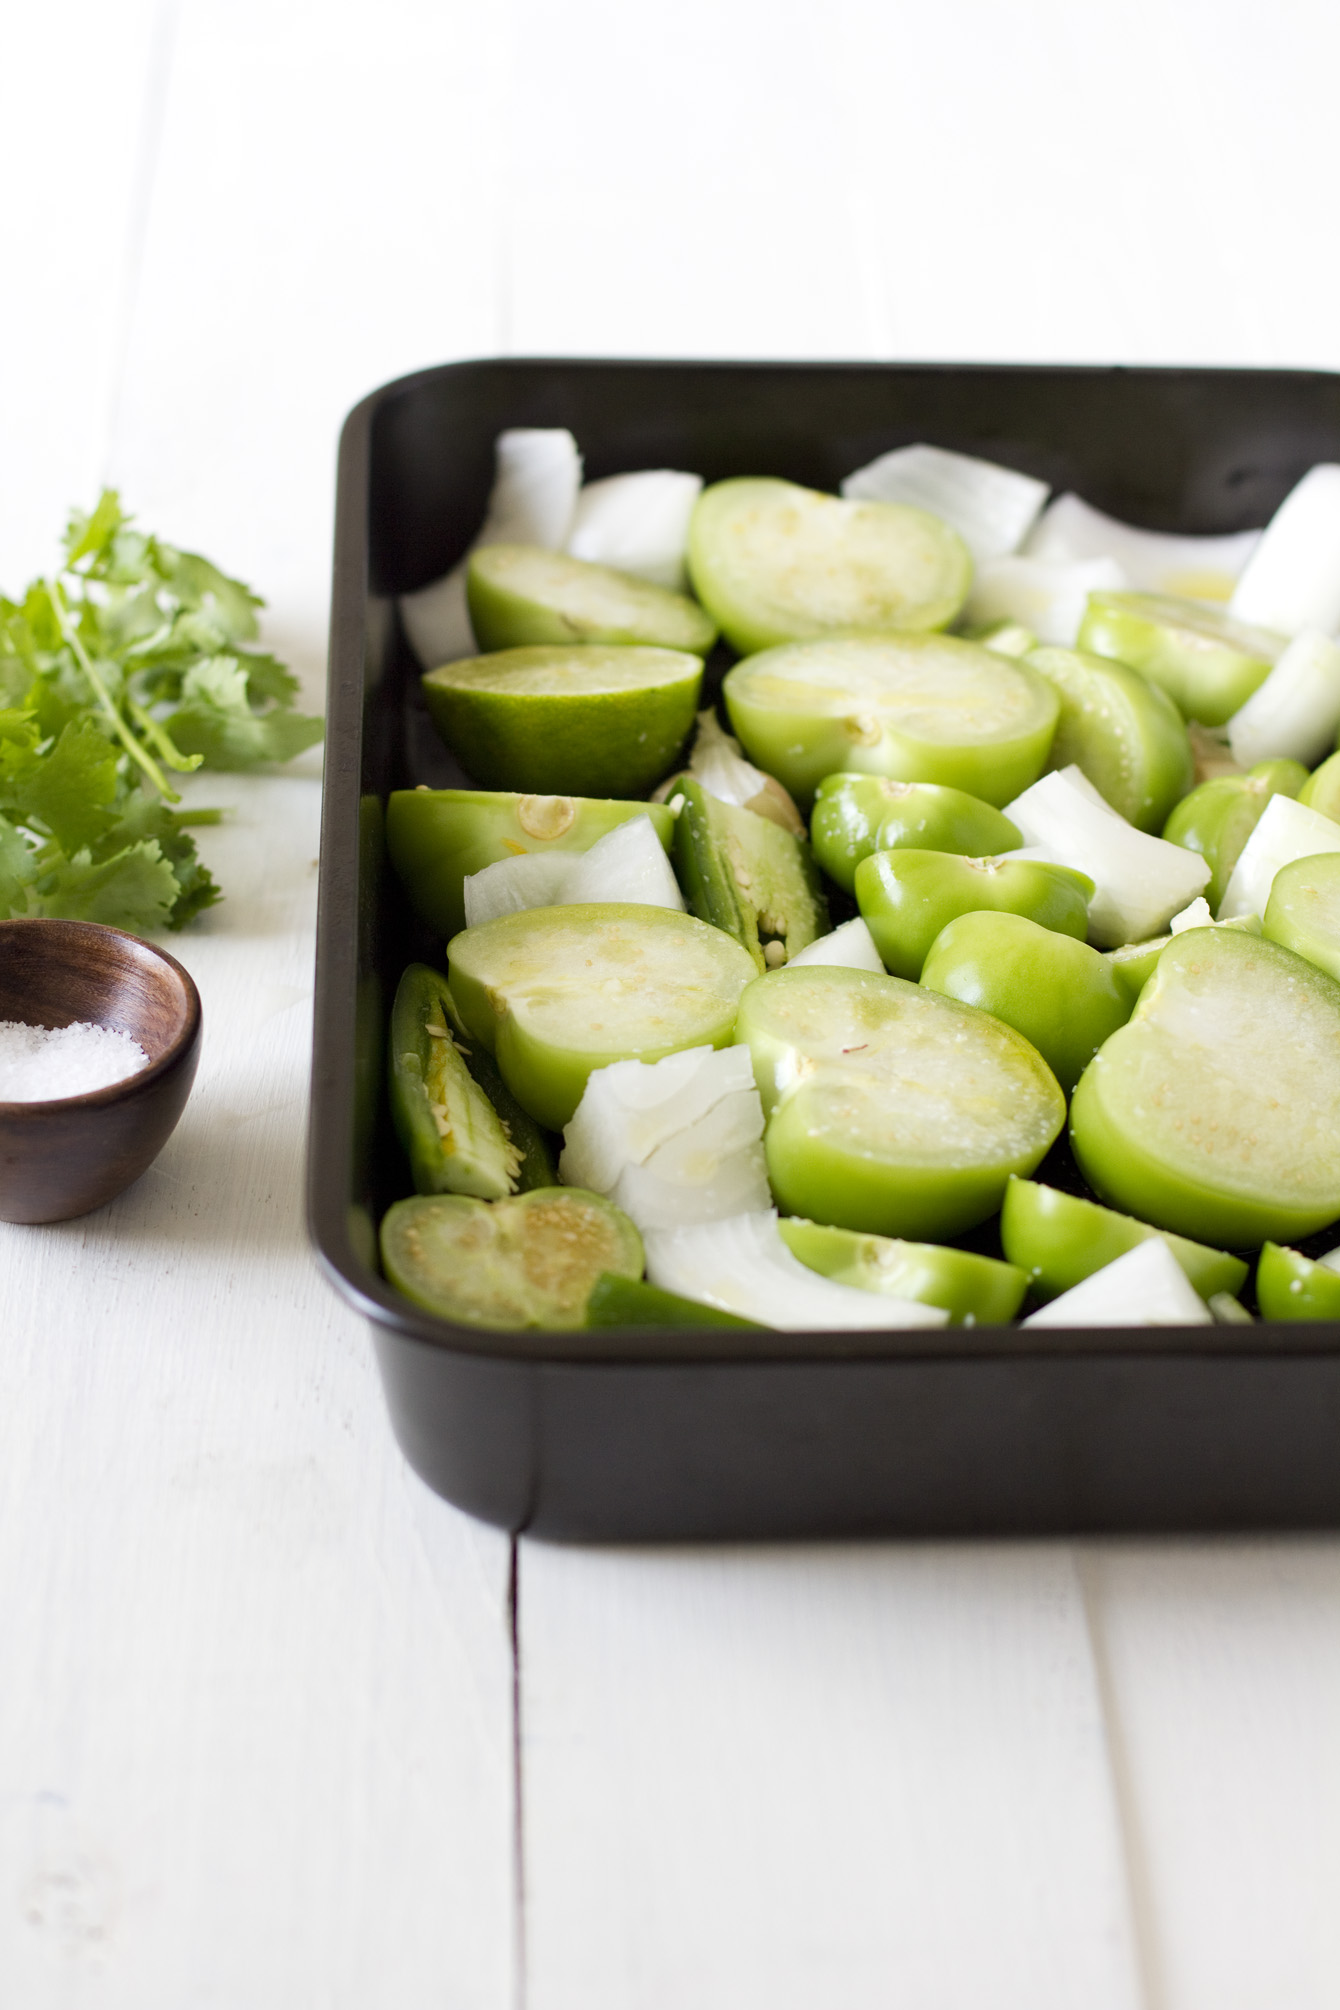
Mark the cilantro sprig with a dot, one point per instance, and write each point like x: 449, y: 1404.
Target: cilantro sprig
x: 130, y: 664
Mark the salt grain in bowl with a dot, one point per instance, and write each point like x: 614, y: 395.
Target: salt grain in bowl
x: 39, y: 1064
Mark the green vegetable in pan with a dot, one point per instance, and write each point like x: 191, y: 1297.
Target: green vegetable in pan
x: 530, y: 1261
x: 462, y: 1129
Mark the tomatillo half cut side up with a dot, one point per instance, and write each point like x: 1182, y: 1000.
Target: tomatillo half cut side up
x: 974, y: 1290
x: 857, y: 814
x: 773, y: 562
x: 557, y: 991
x: 1213, y: 1112
x: 593, y: 719
x: 919, y: 708
x: 1121, y: 731
x: 907, y: 897
x: 521, y: 593
x: 890, y: 1108
x: 1290, y: 1286
x: 1208, y: 663
x: 438, y: 837
x: 1061, y: 995
x: 1060, y: 1239
x: 527, y: 1262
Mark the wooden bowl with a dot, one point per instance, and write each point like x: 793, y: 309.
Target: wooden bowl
x: 67, y: 1156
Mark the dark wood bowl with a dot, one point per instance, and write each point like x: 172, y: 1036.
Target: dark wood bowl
x: 65, y: 1157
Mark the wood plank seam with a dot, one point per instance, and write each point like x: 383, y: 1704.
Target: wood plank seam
x: 1134, y: 1856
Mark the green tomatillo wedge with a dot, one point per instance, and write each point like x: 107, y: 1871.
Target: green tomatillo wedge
x: 1059, y: 1240
x: 1133, y: 964
x: 919, y: 708
x: 557, y: 991
x: 1217, y: 818
x: 1321, y: 790
x: 1006, y: 637
x: 461, y: 1128
x: 594, y: 718
x: 890, y: 1108
x: 1212, y: 1113
x: 772, y: 562
x: 526, y: 1262
x: 623, y: 1301
x: 1208, y: 664
x: 436, y: 837
x: 1121, y: 731
x: 857, y: 814
x: 521, y: 593
x: 1303, y: 911
x: 1290, y: 1286
x: 907, y: 897
x: 1055, y: 990
x: 974, y: 1290
x: 745, y: 874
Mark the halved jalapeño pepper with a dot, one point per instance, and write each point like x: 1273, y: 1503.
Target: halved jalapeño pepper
x: 743, y: 873
x: 462, y: 1129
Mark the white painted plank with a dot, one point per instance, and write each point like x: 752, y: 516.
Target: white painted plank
x: 1126, y: 181
x: 1222, y: 1665
x: 255, y: 1727
x: 255, y: 1731
x: 864, y: 1775
x: 328, y: 215
x: 83, y: 85
x: 681, y: 184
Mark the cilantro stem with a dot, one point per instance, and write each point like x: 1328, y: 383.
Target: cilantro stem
x: 185, y: 764
x: 138, y: 753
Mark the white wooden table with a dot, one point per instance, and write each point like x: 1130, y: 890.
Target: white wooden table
x: 278, y: 1728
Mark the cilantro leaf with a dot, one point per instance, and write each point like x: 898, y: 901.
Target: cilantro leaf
x: 131, y: 662
x: 16, y: 868
x: 143, y: 818
x: 135, y: 888
x: 216, y: 719
x: 65, y: 792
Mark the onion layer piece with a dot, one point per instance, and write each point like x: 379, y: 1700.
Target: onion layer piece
x: 1140, y: 881
x: 1145, y: 1287
x: 534, y: 495
x: 990, y: 507
x: 1292, y: 580
x: 742, y: 1265
x: 638, y: 523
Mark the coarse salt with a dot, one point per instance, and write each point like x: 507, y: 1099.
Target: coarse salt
x: 39, y: 1064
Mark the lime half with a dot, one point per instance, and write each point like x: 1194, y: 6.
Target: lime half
x: 580, y: 719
